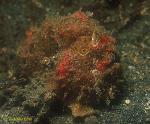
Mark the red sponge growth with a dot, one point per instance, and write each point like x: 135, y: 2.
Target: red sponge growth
x: 106, y: 39
x: 64, y: 66
x: 102, y: 64
x: 80, y: 15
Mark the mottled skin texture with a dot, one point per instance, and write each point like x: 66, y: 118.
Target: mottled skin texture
x: 86, y: 70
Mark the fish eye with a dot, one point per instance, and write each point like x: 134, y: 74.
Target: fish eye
x: 83, y: 50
